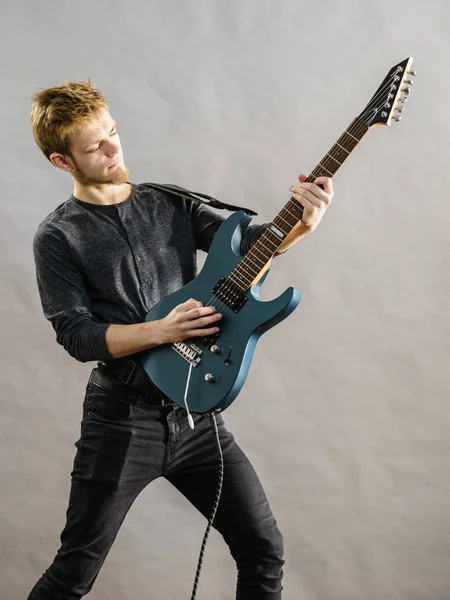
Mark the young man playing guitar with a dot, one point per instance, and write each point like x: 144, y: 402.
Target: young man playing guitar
x: 103, y: 259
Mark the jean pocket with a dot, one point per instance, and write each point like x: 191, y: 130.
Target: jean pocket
x: 103, y: 405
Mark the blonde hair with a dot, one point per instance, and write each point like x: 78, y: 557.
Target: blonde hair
x: 59, y: 111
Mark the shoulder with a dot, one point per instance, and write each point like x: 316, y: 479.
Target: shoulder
x: 55, y: 218
x: 154, y: 191
x: 162, y: 202
x: 167, y: 192
x: 49, y: 231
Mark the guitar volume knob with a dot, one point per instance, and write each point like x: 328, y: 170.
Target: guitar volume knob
x: 216, y: 349
x: 209, y: 377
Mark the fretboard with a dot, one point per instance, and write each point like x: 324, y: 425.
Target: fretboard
x: 251, y: 265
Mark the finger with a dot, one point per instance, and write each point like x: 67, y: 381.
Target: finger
x: 315, y: 190
x: 304, y: 186
x: 190, y: 304
x: 307, y: 205
x: 202, y: 332
x: 203, y: 321
x: 302, y: 177
x: 308, y: 196
x: 199, y: 312
x: 327, y: 183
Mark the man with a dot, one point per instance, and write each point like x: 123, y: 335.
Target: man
x: 103, y: 259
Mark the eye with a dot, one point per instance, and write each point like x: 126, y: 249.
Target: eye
x: 94, y: 150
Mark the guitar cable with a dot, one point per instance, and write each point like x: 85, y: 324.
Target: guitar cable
x: 213, y: 423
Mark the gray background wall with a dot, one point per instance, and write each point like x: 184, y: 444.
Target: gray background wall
x: 344, y: 413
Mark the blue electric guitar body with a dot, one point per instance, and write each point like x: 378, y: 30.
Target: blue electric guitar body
x: 205, y: 374
x: 222, y: 363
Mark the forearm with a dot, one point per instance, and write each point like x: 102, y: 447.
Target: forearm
x: 123, y: 340
x: 253, y: 232
x: 293, y: 237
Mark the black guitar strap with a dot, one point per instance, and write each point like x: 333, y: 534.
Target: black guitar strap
x: 176, y: 190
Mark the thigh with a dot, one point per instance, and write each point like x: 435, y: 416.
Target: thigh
x: 120, y: 451
x: 120, y: 442
x: 95, y: 513
x: 244, y: 517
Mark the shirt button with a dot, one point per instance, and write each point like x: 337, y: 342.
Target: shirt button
x: 138, y: 258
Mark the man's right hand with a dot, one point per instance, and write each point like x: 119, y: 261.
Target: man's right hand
x: 186, y: 320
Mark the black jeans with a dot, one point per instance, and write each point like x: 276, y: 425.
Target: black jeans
x: 123, y: 447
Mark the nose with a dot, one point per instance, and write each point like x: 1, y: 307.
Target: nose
x: 113, y: 148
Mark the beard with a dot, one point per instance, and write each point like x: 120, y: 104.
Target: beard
x: 119, y: 176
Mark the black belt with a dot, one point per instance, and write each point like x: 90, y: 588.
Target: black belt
x: 125, y: 376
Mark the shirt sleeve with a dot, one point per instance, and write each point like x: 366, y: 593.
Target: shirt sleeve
x: 64, y: 299
x: 206, y: 223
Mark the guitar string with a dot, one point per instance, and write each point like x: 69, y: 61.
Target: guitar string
x: 327, y: 161
x: 383, y: 88
x: 381, y: 92
x: 226, y: 287
x: 228, y: 284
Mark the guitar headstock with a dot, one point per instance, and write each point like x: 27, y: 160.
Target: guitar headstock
x: 388, y: 102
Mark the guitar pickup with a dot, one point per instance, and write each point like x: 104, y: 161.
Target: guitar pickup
x: 228, y: 294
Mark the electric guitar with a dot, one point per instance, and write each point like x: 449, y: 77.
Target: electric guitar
x: 205, y: 374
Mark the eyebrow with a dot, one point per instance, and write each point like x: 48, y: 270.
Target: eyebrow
x: 98, y: 142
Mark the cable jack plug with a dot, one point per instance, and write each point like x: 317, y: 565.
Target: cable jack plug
x: 189, y: 416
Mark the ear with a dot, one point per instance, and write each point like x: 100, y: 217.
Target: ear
x: 61, y: 162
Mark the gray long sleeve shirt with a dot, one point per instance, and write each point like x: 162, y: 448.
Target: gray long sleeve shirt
x: 97, y: 265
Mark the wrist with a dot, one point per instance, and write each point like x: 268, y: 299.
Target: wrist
x: 297, y: 233
x: 157, y: 333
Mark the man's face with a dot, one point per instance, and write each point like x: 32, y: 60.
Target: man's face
x: 97, y: 155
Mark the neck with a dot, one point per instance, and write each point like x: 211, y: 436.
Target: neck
x: 101, y: 193
x: 255, y: 262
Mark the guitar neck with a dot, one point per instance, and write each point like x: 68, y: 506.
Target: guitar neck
x: 254, y: 262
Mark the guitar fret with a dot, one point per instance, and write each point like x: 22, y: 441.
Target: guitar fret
x: 264, y: 235
x: 289, y: 215
x: 350, y: 143
x: 244, y: 264
x: 258, y: 267
x: 265, y: 247
x: 257, y: 249
x: 275, y: 244
x: 296, y: 206
x: 345, y: 149
x: 283, y: 219
x: 332, y: 158
x: 241, y: 288
x: 278, y: 227
x: 348, y: 133
x: 235, y: 275
x: 277, y: 239
x: 329, y: 172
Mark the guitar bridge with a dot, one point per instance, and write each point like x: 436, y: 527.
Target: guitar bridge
x: 189, y: 351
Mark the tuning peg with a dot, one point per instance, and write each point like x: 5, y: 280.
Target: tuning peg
x: 400, y: 109
x: 403, y: 100
x: 413, y: 73
x: 397, y: 118
x: 409, y: 82
x: 406, y: 91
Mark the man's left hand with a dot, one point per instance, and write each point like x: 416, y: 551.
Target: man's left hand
x: 313, y: 198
